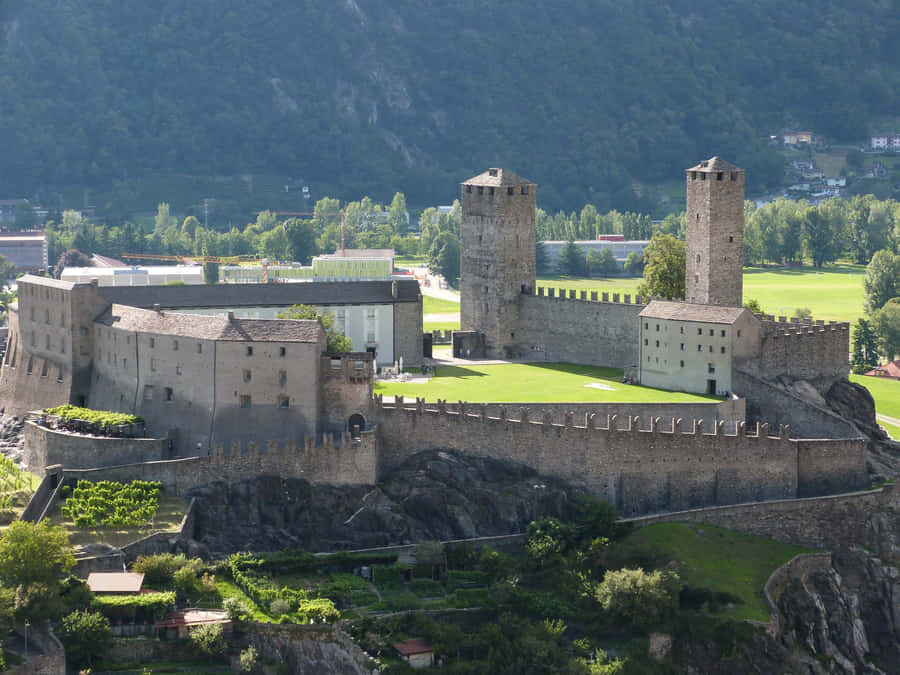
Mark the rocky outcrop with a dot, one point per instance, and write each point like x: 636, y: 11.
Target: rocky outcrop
x: 434, y: 494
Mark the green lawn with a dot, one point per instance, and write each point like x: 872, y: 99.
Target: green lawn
x: 429, y: 326
x: 407, y: 261
x: 893, y: 430
x: 835, y: 293
x: 885, y: 392
x: 544, y: 382
x: 709, y: 557
x: 432, y: 305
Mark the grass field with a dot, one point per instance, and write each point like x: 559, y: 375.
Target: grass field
x: 167, y: 519
x: 835, y: 293
x: 429, y: 326
x: 885, y: 392
x: 544, y: 382
x: 709, y: 557
x: 432, y: 305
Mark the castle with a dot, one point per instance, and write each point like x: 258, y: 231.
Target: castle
x: 238, y: 397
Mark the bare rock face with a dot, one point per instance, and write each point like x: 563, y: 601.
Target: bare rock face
x: 433, y: 495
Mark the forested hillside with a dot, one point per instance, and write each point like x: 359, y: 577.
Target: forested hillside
x: 372, y: 96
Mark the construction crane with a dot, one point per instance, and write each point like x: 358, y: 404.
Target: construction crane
x: 201, y: 259
x: 291, y: 214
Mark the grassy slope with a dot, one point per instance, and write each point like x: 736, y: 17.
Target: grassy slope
x: 432, y: 305
x: 885, y: 392
x: 833, y: 294
x: 711, y: 557
x: 545, y: 382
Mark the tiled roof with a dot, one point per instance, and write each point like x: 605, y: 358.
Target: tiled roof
x: 210, y: 327
x: 715, y: 164
x: 413, y: 646
x: 497, y: 178
x: 891, y: 370
x: 263, y: 295
x: 686, y: 311
x: 115, y: 582
x: 46, y: 281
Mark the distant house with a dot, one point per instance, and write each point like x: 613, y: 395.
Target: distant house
x: 885, y: 142
x: 798, y: 137
x: 179, y: 624
x: 116, y: 583
x: 27, y: 250
x: 890, y: 371
x: 416, y: 652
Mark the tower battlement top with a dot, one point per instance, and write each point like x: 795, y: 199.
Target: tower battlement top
x: 497, y: 178
x: 715, y: 164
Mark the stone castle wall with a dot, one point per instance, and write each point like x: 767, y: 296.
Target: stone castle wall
x: 638, y: 468
x: 337, y: 460
x: 578, y: 328
x: 804, y: 351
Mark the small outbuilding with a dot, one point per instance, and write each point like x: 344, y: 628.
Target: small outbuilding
x: 116, y: 583
x: 416, y: 652
x: 890, y: 371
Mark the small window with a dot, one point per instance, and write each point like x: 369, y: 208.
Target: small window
x: 711, y: 332
x: 178, y: 369
x: 739, y: 332
x: 245, y: 401
x: 480, y: 189
x: 657, y: 328
x: 657, y: 344
x: 702, y: 176
x: 693, y: 175
x: 359, y: 365
x: 646, y: 342
x: 469, y: 189
x: 247, y: 375
x: 48, y: 342
x: 646, y: 326
x: 62, y: 320
x: 152, y: 343
x: 730, y: 239
x: 490, y: 191
x: 30, y: 364
x: 284, y: 402
x: 682, y: 330
x: 682, y: 364
x: 719, y: 176
x: 199, y: 347
x: 282, y: 352
x: 148, y: 392
x: 249, y: 351
x: 524, y: 189
x: 167, y: 394
x: 734, y: 175
x: 127, y: 339
x: 47, y: 316
x: 710, y: 348
x: 335, y: 364
x: 699, y: 348
x: 83, y: 331
x: 723, y: 350
x: 153, y: 365
x: 510, y: 191
x: 710, y: 368
x: 174, y: 345
x: 282, y: 377
x: 699, y: 331
x: 682, y: 346
x: 723, y: 333
x: 124, y: 363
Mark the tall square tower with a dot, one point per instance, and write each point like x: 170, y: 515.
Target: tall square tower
x: 497, y: 263
x: 715, y: 234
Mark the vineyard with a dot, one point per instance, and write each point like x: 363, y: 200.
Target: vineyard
x: 97, y: 422
x: 16, y: 484
x: 112, y: 504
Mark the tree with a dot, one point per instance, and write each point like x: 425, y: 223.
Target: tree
x: 336, y: 342
x: 398, y: 217
x: 820, y: 239
x: 664, y: 265
x: 32, y: 553
x: 753, y: 305
x: 443, y: 257
x: 162, y: 220
x: 85, y: 634
x: 887, y: 326
x: 71, y: 258
x: 865, y: 347
x: 301, y: 236
x: 208, y: 639
x: 638, y: 597
x: 541, y: 261
x: 634, y: 263
x: 248, y: 659
x: 602, y: 262
x: 571, y: 260
x: 882, y: 280
x: 274, y: 244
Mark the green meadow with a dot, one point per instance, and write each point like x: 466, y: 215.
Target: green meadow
x: 533, y: 382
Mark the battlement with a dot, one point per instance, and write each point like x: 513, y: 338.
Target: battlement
x: 477, y: 412
x: 593, y: 296
x: 803, y: 349
x: 784, y: 326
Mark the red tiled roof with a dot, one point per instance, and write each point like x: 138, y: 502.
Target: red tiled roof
x: 413, y: 646
x: 891, y: 370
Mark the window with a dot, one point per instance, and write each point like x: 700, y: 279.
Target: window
x: 199, y: 347
x: 370, y: 325
x: 657, y: 344
x: 510, y: 191
x: 710, y: 368
x: 682, y: 364
x: 30, y: 364
x: 710, y: 348
x: 723, y: 350
x: 723, y: 333
x: 358, y: 365
x: 47, y: 316
x: 524, y: 189
x: 480, y: 190
x: 62, y: 320
x: 682, y: 330
x: 490, y: 191
x: 32, y: 313
x: 730, y: 239
x: 699, y: 348
x: 335, y: 364
x: 711, y: 332
x: 657, y: 328
x: 699, y: 331
x: 245, y: 401
x: 83, y: 331
x: 148, y: 392
x: 739, y: 333
x: 62, y: 347
x: 682, y: 346
x: 153, y: 365
x: 249, y: 351
x: 174, y: 345
x: 719, y: 175
x: 646, y: 342
x: 247, y: 375
x: 152, y: 343
x: 48, y: 342
x: 282, y: 377
x: 734, y: 175
x: 167, y: 394
x: 469, y: 189
x: 284, y: 402
x: 282, y: 352
x: 178, y: 369
x: 124, y: 363
x: 698, y: 257
x: 646, y: 326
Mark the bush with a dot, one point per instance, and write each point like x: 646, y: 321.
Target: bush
x: 638, y: 597
x: 278, y: 607
x: 248, y: 659
x: 85, y: 635
x: 236, y: 610
x: 185, y: 581
x: 127, y: 606
x: 208, y: 639
x: 160, y: 569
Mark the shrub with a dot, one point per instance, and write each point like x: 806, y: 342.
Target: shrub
x: 638, y: 597
x: 128, y: 605
x: 235, y: 609
x: 185, y: 580
x: 248, y: 659
x: 160, y: 569
x: 85, y: 635
x: 278, y: 607
x: 208, y: 639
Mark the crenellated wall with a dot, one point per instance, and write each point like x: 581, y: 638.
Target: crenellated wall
x: 577, y: 327
x: 803, y: 350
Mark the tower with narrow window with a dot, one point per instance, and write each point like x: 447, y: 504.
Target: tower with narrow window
x: 715, y: 234
x: 497, y: 261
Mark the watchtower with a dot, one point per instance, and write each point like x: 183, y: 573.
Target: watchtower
x: 497, y: 264
x: 715, y: 234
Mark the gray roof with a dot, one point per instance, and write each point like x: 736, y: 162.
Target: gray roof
x: 714, y: 164
x: 204, y: 327
x: 361, y: 253
x: 686, y: 311
x: 46, y: 281
x: 497, y: 178
x: 263, y: 295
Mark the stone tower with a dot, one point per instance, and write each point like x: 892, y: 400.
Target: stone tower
x: 715, y: 234
x: 496, y: 255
